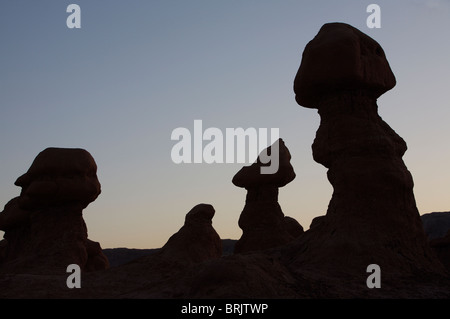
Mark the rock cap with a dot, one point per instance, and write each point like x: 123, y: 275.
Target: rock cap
x: 58, y: 176
x: 250, y: 176
x: 341, y: 58
x: 201, y: 213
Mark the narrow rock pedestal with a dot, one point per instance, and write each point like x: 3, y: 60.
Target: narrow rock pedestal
x: 262, y: 221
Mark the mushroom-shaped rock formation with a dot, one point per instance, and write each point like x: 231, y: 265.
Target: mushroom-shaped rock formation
x: 341, y: 58
x: 262, y: 220
x: 252, y: 177
x: 60, y: 176
x: 372, y: 217
x: 44, y: 226
x: 197, y: 240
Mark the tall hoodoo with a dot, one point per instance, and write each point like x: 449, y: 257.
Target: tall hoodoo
x: 262, y: 220
x: 372, y: 216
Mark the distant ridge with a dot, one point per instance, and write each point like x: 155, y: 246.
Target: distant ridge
x: 122, y: 255
x: 436, y: 224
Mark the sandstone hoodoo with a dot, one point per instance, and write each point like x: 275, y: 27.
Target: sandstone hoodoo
x: 372, y: 216
x: 262, y: 220
x: 44, y: 226
x: 197, y: 240
x: 60, y: 176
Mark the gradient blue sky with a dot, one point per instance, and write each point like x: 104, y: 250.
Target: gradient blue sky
x: 137, y: 70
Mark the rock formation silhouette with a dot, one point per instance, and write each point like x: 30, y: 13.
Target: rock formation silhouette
x: 197, y: 240
x: 168, y: 272
x: 437, y: 228
x: 262, y: 221
x: 44, y: 226
x: 372, y: 216
x: 371, y: 219
x: 436, y: 224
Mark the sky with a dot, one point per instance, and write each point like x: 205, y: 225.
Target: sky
x: 137, y: 70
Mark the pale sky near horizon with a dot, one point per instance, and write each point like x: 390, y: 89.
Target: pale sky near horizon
x: 137, y: 70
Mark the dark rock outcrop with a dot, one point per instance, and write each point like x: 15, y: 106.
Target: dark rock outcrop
x: 167, y: 272
x: 441, y: 246
x: 372, y: 217
x: 262, y: 220
x: 121, y: 256
x: 437, y: 229
x: 197, y: 240
x: 436, y: 225
x: 44, y: 226
x: 293, y: 227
